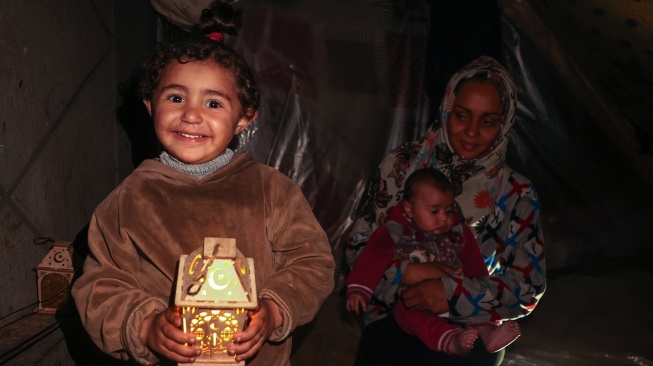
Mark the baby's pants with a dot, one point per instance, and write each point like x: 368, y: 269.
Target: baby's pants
x: 436, y: 333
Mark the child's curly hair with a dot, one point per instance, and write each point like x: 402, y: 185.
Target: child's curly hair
x: 220, y: 17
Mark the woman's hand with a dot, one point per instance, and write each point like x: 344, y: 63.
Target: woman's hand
x: 162, y: 334
x: 426, y: 296
x: 418, y: 272
x: 264, y: 321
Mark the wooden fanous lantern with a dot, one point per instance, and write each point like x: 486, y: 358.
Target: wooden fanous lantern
x: 215, y: 290
x: 54, y: 274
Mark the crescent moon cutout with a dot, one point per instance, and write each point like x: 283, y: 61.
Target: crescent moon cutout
x: 194, y: 264
x: 212, y: 281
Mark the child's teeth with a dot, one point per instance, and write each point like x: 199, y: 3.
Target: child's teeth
x: 190, y: 136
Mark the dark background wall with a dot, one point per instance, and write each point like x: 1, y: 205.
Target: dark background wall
x: 61, y: 148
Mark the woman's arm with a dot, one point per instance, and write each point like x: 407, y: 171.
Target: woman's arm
x: 426, y: 292
x: 514, y: 251
x: 418, y: 272
x: 513, y: 247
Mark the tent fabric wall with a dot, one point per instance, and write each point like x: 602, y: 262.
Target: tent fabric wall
x: 343, y: 84
x: 608, y: 43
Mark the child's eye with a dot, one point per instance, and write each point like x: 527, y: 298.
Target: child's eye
x: 213, y: 104
x: 175, y: 98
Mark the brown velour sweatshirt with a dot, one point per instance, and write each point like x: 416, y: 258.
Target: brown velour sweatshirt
x: 157, y: 213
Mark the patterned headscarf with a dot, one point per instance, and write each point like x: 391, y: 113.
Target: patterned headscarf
x: 477, y: 181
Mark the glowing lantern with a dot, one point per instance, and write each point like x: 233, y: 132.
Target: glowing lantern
x: 54, y: 274
x: 215, y: 289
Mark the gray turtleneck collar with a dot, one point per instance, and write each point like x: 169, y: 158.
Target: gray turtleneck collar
x: 197, y: 170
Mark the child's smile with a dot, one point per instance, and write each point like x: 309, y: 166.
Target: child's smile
x: 196, y: 110
x: 190, y: 136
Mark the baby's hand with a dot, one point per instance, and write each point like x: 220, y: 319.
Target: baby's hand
x: 355, y: 302
x: 263, y: 322
x: 162, y: 334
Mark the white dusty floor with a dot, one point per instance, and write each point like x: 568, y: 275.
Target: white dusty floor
x: 581, y: 320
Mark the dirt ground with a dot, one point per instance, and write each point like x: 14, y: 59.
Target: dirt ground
x: 583, y: 319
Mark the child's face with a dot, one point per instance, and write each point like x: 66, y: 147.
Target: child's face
x: 196, y: 110
x: 430, y: 209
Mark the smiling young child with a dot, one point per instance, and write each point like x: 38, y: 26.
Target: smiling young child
x: 424, y: 229
x: 200, y: 93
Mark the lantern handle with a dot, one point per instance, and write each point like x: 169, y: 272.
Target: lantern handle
x: 45, y: 239
x: 196, y: 284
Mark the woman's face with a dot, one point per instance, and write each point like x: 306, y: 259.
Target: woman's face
x: 475, y: 119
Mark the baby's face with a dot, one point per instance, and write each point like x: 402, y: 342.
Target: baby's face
x: 431, y: 209
x: 196, y: 110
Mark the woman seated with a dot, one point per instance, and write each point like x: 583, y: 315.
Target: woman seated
x: 468, y: 144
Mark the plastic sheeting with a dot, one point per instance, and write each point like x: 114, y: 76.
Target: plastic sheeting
x: 342, y: 85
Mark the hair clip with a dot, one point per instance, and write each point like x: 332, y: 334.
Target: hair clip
x: 215, y: 36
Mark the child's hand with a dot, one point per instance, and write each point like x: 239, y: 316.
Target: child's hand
x: 355, y: 302
x: 162, y: 334
x: 263, y: 321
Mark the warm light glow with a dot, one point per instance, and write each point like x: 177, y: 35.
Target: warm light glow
x: 199, y: 334
x: 195, y: 264
x: 217, y: 279
x: 241, y: 266
x: 223, y: 277
x: 215, y: 290
x: 213, y: 328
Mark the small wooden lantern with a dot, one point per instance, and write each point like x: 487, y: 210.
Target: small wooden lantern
x: 54, y: 275
x: 215, y: 290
